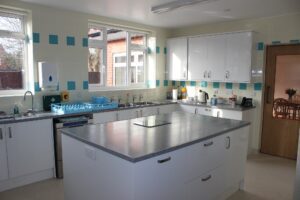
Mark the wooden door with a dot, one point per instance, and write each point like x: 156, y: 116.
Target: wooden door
x: 279, y: 134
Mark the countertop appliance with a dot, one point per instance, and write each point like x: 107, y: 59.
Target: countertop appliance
x: 247, y: 102
x: 66, y: 122
x: 203, y: 96
x: 48, y: 100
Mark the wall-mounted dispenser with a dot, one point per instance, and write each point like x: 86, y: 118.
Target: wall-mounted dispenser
x: 48, y: 75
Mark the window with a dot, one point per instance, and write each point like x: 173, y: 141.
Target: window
x: 117, y: 57
x: 13, y: 52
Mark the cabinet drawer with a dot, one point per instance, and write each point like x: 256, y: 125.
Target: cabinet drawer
x: 208, y: 186
x: 207, y: 155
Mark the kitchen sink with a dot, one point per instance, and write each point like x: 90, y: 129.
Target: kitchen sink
x: 142, y: 103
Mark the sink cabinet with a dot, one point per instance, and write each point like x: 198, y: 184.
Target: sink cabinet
x: 26, y: 153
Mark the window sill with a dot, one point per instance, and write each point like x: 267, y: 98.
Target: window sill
x: 12, y: 93
x: 119, y: 88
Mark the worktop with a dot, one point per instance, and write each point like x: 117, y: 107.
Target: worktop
x: 135, y: 143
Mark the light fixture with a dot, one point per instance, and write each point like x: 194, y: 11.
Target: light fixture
x: 166, y: 7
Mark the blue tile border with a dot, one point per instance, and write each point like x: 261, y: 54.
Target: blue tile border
x: 193, y: 83
x: 85, y: 42
x: 165, y: 50
x: 37, y: 87
x: 70, y: 40
x: 166, y: 83
x: 157, y: 50
x: 257, y: 86
x: 149, y: 50
x: 203, y: 84
x: 71, y: 85
x: 260, y: 46
x: 216, y: 85
x: 182, y: 83
x: 276, y: 42
x: 173, y: 83
x: 53, y: 39
x: 85, y: 85
x: 36, y: 38
x: 157, y: 83
x: 294, y: 41
x: 228, y: 86
x: 243, y: 86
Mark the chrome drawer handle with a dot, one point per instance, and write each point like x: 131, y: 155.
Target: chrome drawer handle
x: 1, y: 134
x: 208, y: 144
x: 229, y: 142
x: 9, y: 132
x: 164, y: 160
x: 206, y: 179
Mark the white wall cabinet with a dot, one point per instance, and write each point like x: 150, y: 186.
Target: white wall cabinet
x: 222, y: 58
x: 3, y: 155
x: 177, y: 59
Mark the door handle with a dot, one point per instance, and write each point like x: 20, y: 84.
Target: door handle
x: 9, y: 132
x: 141, y: 111
x: 1, y: 134
x: 164, y: 160
x: 208, y: 144
x: 196, y: 111
x: 206, y: 179
x: 158, y: 111
x: 268, y: 95
x: 137, y: 114
x: 229, y: 142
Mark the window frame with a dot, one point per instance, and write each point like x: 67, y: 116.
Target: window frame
x: 129, y: 48
x: 27, y: 71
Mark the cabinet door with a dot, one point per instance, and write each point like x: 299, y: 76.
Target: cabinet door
x: 29, y: 147
x: 198, y: 69
x: 238, y: 57
x: 144, y: 112
x: 188, y: 109
x: 216, y: 57
x: 161, y: 177
x: 128, y: 114
x: 164, y: 109
x: 176, y: 59
x: 104, y: 117
x: 3, y: 155
x: 205, y: 111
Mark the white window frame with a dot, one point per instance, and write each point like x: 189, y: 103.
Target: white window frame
x: 27, y: 71
x: 129, y: 48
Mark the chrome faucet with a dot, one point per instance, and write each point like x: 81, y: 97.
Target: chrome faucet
x: 29, y: 92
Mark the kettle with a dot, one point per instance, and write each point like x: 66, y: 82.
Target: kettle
x: 203, y: 96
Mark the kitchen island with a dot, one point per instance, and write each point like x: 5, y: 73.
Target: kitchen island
x: 172, y: 156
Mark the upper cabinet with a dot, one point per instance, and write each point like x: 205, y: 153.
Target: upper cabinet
x: 177, y: 59
x: 221, y: 58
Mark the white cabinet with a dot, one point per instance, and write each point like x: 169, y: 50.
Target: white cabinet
x: 238, y: 57
x: 103, y: 117
x: 176, y: 59
x: 156, y: 177
x: 188, y: 109
x: 128, y: 114
x: 29, y: 147
x: 3, y: 154
x: 164, y: 109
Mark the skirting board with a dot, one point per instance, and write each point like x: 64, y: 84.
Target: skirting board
x: 25, y: 180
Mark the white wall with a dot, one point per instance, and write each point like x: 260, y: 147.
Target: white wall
x: 72, y: 60
x: 280, y: 28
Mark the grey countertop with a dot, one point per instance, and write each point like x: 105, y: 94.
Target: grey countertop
x: 219, y: 106
x: 136, y: 143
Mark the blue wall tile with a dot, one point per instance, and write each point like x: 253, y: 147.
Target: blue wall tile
x: 165, y: 50
x: 53, y: 39
x: 193, y: 83
x: 36, y: 37
x: 157, y: 50
x: 71, y: 85
x: 149, y: 50
x: 173, y: 83
x: 157, y: 83
x: 216, y: 85
x: 276, y: 42
x: 85, y: 42
x: 182, y: 83
x: 37, y: 87
x: 243, y: 86
x: 85, y: 85
x: 228, y: 86
x: 260, y: 46
x: 257, y: 86
x: 294, y: 41
x: 203, y: 84
x: 166, y: 83
x: 70, y: 41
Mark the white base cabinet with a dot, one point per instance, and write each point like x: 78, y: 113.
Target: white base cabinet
x: 29, y: 153
x: 207, y: 170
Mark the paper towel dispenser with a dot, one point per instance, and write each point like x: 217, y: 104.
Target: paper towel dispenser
x: 48, y: 75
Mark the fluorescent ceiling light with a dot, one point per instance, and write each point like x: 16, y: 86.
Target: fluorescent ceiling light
x: 166, y: 7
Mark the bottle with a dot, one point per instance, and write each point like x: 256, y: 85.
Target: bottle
x: 16, y: 109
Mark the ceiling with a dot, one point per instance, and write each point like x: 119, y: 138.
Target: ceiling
x: 215, y: 11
